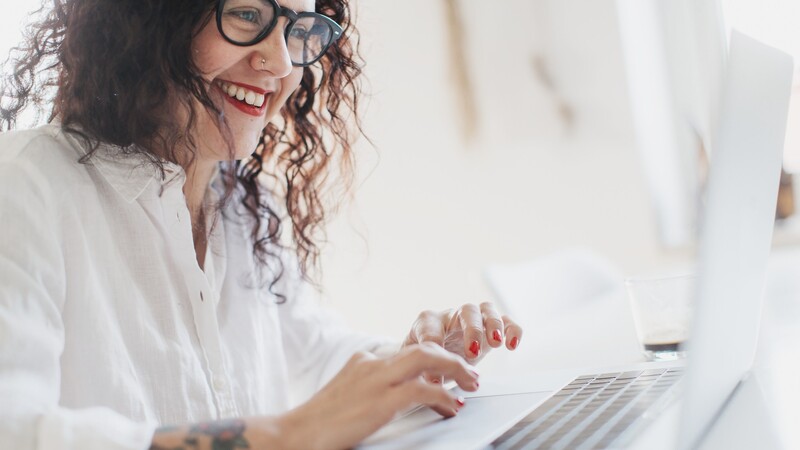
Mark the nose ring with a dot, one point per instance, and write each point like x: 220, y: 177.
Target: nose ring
x: 263, y: 61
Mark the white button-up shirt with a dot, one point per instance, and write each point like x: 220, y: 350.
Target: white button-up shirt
x: 108, y: 326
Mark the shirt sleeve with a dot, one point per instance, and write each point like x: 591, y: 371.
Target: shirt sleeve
x: 32, y: 291
x: 318, y: 343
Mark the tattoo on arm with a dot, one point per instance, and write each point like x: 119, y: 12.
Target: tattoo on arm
x: 219, y: 435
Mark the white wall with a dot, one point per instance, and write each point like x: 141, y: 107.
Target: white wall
x: 11, y: 22
x: 432, y: 211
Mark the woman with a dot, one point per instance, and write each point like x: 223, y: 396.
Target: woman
x: 148, y: 279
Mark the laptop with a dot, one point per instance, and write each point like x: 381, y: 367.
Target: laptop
x: 660, y: 404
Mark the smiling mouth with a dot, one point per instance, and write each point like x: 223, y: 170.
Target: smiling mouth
x: 242, y: 94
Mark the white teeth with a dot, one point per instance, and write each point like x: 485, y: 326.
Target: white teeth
x: 242, y: 94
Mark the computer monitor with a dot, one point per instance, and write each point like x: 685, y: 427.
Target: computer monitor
x: 674, y: 55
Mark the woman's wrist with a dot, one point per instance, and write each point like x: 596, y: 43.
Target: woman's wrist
x: 291, y: 433
x: 255, y: 432
x: 272, y: 432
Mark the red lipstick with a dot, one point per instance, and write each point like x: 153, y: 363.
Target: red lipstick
x: 242, y: 106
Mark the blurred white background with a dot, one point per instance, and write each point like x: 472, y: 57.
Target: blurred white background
x: 551, y: 161
x: 434, y: 210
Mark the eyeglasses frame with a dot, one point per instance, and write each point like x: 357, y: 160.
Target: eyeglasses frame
x: 293, y: 17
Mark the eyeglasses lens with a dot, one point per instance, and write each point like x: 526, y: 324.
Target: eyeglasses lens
x: 244, y: 21
x: 307, y: 39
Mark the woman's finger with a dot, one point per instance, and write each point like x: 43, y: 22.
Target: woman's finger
x: 428, y: 328
x: 513, y: 333
x: 418, y: 392
x: 471, y: 322
x: 415, y: 360
x: 492, y: 324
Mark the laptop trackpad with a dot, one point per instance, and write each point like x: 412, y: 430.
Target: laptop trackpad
x: 480, y: 422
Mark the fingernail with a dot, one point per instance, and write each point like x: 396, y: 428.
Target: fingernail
x: 436, y: 381
x: 460, y: 401
x: 496, y: 336
x: 475, y: 348
x: 514, y: 342
x: 476, y: 374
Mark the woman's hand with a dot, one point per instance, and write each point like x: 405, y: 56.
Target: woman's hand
x: 369, y: 391
x: 469, y: 331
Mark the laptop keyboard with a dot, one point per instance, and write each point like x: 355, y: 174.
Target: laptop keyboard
x: 592, y: 412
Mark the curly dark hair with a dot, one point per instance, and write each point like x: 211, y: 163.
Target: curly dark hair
x: 110, y: 70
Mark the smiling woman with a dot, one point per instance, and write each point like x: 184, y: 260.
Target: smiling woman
x: 150, y: 297
x: 148, y: 94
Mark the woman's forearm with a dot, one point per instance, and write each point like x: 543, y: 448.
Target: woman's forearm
x: 365, y: 395
x: 227, y: 434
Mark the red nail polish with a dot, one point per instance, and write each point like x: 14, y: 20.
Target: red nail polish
x: 496, y: 336
x: 475, y: 348
x: 436, y: 381
x: 514, y: 343
x: 460, y: 401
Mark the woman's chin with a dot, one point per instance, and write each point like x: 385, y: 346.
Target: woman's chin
x: 243, y: 146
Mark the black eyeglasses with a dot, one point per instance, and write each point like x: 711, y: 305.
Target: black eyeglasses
x: 247, y: 22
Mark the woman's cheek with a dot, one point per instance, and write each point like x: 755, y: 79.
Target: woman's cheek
x: 288, y: 86
x: 291, y: 83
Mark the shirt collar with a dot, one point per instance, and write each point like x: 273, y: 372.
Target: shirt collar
x: 129, y: 172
